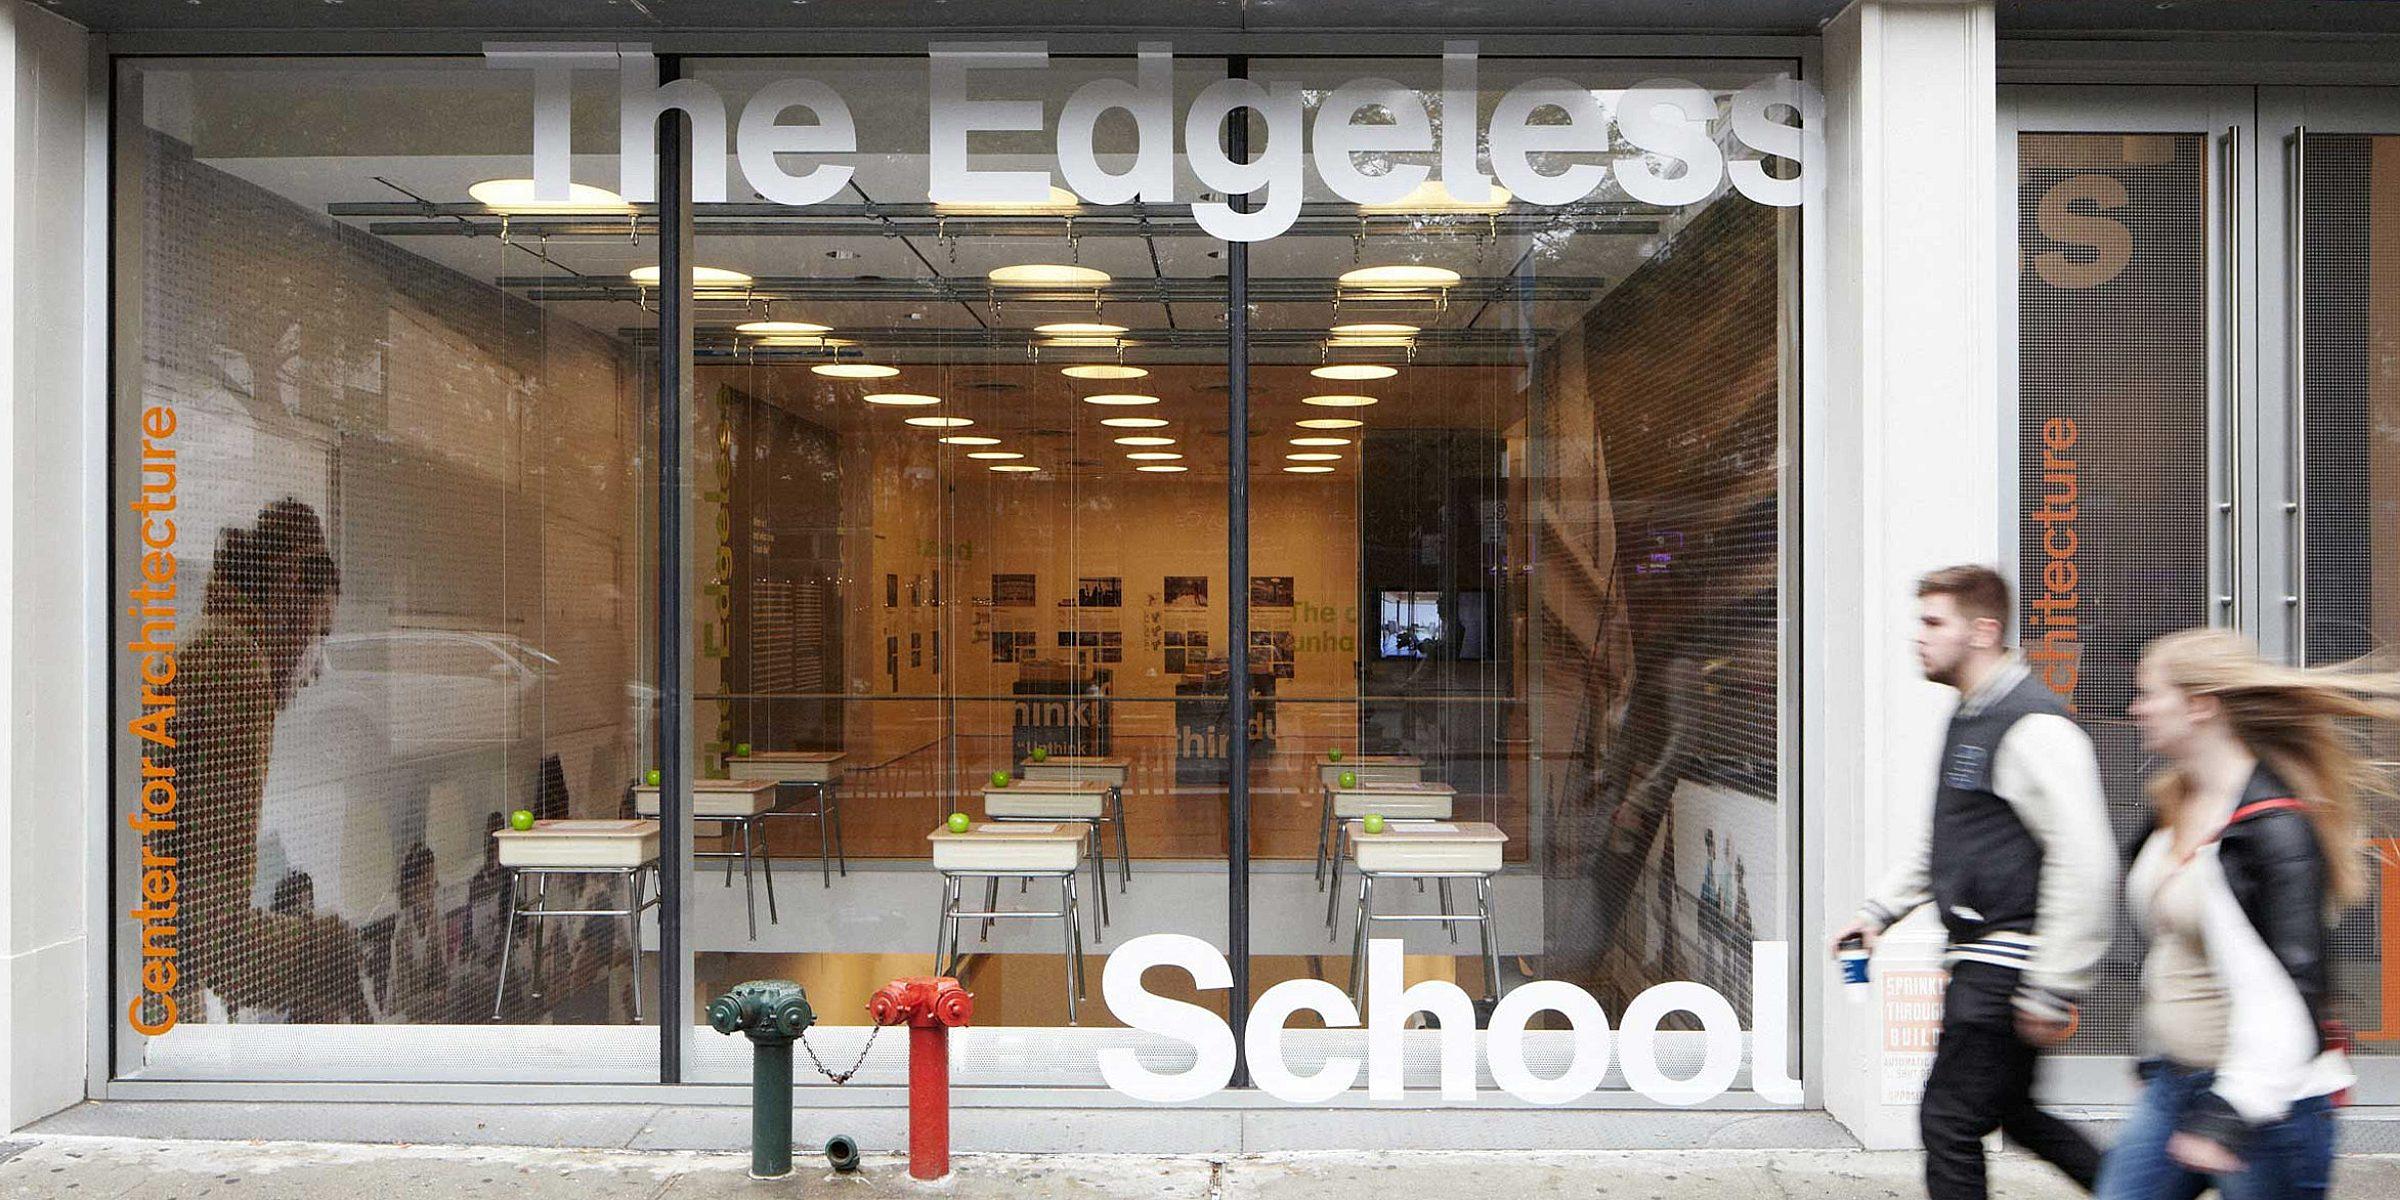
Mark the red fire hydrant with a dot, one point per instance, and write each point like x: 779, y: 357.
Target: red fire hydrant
x: 930, y: 1008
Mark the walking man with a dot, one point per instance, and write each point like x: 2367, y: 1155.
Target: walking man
x: 2020, y: 863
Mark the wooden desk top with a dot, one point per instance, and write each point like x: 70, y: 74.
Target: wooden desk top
x: 752, y: 786
x: 1011, y: 831
x: 1433, y: 831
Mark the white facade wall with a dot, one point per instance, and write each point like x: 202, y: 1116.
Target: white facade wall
x: 49, y: 517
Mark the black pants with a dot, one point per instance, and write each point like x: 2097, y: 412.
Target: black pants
x: 1982, y: 1080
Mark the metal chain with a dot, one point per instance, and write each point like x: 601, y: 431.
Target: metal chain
x: 841, y: 1077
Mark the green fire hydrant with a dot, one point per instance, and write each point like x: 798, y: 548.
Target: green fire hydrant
x: 773, y: 1013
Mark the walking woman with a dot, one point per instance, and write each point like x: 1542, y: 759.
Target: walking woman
x: 2257, y: 847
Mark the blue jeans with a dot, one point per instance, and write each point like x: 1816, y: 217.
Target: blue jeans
x: 2292, y: 1158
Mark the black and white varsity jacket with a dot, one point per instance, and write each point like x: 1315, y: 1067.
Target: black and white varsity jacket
x: 2018, y: 856
x: 2265, y: 923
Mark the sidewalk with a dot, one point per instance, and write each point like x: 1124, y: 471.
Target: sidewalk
x: 90, y: 1168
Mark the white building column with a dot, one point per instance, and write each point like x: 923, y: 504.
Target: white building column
x: 1900, y: 472
x: 48, y: 572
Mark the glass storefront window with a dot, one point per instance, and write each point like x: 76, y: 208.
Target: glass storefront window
x: 387, y: 503
x: 962, y: 539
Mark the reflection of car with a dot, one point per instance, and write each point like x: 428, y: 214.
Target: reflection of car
x: 439, y: 689
x: 406, y: 736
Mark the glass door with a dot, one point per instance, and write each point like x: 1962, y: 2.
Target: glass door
x: 2329, y: 457
x: 2127, y: 222
x: 2206, y: 314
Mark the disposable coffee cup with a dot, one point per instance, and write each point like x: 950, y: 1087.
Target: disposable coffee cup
x: 1854, y: 973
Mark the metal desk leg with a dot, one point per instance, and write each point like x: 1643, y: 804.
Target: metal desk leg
x: 1358, y: 937
x: 944, y: 924
x: 508, y: 941
x: 824, y: 837
x: 1069, y: 929
x: 1324, y: 827
x: 1491, y: 939
x: 1116, y: 798
x: 830, y: 794
x: 1099, y: 855
x: 541, y: 936
x: 749, y: 892
x: 991, y: 903
x: 766, y: 862
x: 1442, y: 886
x: 633, y: 932
x: 1333, y: 892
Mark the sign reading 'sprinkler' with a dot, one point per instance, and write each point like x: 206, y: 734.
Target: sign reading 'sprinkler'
x: 1549, y: 140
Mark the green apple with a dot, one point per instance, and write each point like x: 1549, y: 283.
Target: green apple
x: 1348, y: 779
x: 1374, y: 822
x: 742, y: 750
x: 650, y: 777
x: 520, y: 820
x: 1039, y: 754
x: 999, y: 779
x: 1334, y: 755
x: 958, y: 822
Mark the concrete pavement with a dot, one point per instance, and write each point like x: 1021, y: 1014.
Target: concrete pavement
x: 34, y: 1167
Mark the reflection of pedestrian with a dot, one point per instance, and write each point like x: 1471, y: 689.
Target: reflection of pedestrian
x: 1710, y: 913
x: 420, y: 962
x: 267, y: 607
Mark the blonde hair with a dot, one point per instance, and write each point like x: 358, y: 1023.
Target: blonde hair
x: 2292, y: 719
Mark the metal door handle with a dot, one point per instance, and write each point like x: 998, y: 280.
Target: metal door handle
x: 2231, y: 505
x: 2295, y: 502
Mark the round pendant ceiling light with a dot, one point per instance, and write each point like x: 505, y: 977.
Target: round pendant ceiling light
x: 937, y: 422
x: 1061, y: 200
x: 1400, y: 278
x: 763, y: 328
x: 1103, y: 371
x: 970, y: 439
x: 517, y: 196
x: 854, y: 371
x: 1048, y: 275
x: 1120, y: 400
x: 1144, y: 441
x: 1154, y: 456
x: 1338, y: 401
x: 1320, y: 441
x: 701, y: 277
x: 1355, y: 371
x: 1134, y: 422
x: 903, y: 399
x: 1162, y: 469
x: 1012, y: 468
x: 1306, y: 470
x: 1329, y: 423
x: 1312, y: 458
x: 994, y: 454
x: 1433, y: 196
